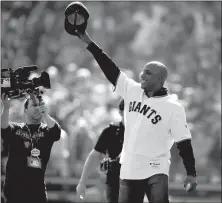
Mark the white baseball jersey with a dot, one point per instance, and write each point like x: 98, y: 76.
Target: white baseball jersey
x: 152, y: 125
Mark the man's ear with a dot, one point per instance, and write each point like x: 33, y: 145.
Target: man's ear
x: 161, y: 79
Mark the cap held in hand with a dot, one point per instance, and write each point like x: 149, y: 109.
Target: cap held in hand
x: 76, y: 16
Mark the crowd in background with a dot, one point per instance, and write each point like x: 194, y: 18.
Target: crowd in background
x: 185, y: 36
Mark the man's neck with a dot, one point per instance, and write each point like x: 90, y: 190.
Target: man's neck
x: 152, y: 93
x: 28, y: 122
x: 149, y: 94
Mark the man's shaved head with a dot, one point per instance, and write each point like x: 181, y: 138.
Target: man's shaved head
x: 159, y: 69
x: 153, y: 76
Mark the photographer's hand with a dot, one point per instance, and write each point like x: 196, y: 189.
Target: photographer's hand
x: 5, y: 113
x: 46, y: 117
x: 5, y: 100
x: 43, y: 108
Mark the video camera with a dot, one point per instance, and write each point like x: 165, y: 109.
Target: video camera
x: 16, y: 83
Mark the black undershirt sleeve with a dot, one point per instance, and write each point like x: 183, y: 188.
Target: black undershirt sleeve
x: 102, y: 143
x: 55, y: 132
x: 186, y: 152
x: 108, y: 67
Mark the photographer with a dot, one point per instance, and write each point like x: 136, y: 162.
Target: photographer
x: 30, y: 146
x: 109, y: 143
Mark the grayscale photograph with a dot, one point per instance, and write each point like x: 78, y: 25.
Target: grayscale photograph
x: 110, y: 101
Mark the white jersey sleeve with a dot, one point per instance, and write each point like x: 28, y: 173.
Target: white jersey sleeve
x: 178, y: 124
x: 124, y: 84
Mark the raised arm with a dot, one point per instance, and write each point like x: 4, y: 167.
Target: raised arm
x: 49, y: 120
x: 46, y: 117
x: 5, y: 112
x: 108, y: 67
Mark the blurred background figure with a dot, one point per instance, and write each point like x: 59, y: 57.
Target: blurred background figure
x: 184, y: 35
x: 109, y: 144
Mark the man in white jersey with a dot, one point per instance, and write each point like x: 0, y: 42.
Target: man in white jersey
x: 154, y: 120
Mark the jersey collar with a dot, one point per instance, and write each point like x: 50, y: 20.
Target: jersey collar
x: 160, y: 93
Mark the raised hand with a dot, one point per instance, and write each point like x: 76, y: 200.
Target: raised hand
x: 5, y: 100
x: 43, y: 108
x: 84, y: 37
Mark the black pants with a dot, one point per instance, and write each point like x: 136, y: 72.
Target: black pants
x: 155, y: 187
x: 112, y: 189
x: 24, y: 194
x: 26, y: 199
